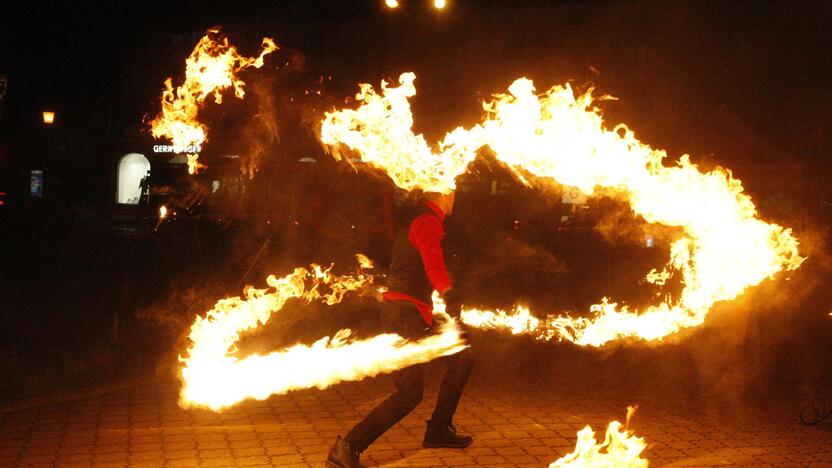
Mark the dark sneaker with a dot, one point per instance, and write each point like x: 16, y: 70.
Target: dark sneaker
x: 445, y: 436
x: 343, y: 456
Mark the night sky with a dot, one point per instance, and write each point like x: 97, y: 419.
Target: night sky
x: 690, y: 76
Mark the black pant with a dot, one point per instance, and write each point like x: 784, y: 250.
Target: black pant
x: 403, y: 318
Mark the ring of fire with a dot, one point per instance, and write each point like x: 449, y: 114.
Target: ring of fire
x: 560, y: 137
x: 556, y: 136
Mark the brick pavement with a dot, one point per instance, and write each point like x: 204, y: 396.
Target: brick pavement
x: 514, y: 425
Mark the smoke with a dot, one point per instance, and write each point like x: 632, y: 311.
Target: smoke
x: 517, y: 265
x: 620, y: 226
x: 169, y: 318
x: 770, y: 345
x: 261, y: 132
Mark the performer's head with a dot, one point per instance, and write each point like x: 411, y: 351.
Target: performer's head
x: 444, y: 201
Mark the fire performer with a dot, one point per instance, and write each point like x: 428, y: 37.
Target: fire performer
x: 417, y: 269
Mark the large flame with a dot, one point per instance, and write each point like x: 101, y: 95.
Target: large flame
x: 381, y: 131
x: 211, y: 68
x: 559, y: 137
x: 215, y: 378
x: 620, y: 448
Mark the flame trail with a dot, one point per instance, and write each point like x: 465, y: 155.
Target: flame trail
x: 213, y: 377
x: 620, y: 448
x: 211, y: 68
x: 560, y: 137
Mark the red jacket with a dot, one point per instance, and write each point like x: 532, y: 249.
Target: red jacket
x: 425, y: 236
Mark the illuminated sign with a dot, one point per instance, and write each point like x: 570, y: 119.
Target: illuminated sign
x: 36, y: 183
x: 191, y: 149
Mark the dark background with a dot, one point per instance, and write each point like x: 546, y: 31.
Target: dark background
x: 90, y: 292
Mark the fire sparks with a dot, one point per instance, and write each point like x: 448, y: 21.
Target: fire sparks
x: 211, y: 68
x: 561, y: 137
x: 163, y: 214
x: 620, y: 448
x: 215, y: 378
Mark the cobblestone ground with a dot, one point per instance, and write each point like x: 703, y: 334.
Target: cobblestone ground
x: 141, y: 425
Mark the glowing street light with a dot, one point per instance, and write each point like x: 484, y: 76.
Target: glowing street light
x: 48, y: 117
x: 438, y: 4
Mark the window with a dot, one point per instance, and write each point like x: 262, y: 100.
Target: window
x: 132, y: 168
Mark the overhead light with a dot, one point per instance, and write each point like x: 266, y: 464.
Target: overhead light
x: 440, y: 4
x: 391, y: 3
x: 48, y: 117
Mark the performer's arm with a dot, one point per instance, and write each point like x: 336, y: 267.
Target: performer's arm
x: 426, y: 235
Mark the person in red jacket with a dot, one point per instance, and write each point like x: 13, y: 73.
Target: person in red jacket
x: 417, y: 269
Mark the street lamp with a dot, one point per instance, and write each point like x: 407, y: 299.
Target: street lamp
x: 37, y: 186
x: 438, y: 4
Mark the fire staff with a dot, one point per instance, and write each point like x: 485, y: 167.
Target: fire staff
x: 417, y: 269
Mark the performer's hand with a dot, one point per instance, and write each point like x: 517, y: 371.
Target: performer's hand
x: 453, y: 303
x: 464, y: 332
